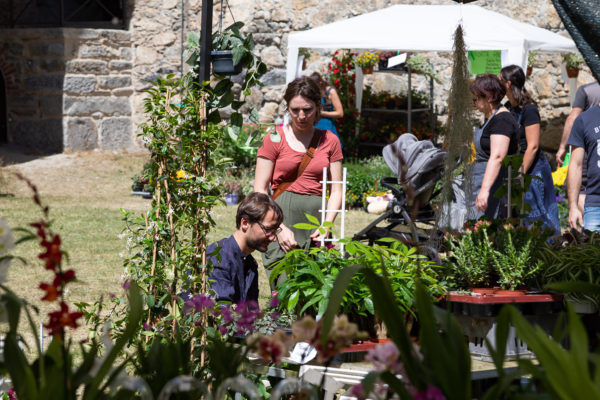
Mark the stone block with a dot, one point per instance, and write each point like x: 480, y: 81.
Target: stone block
x: 119, y: 65
x: 50, y: 65
x: 79, y: 84
x: 164, y: 39
x: 126, y: 53
x: 52, y: 105
x: 115, y: 133
x: 80, y: 134
x: 87, y: 67
x: 274, y: 77
x: 81, y: 33
x: 116, y: 35
x: 113, y: 82
x: 123, y: 92
x: 45, y: 49
x: 272, y: 56
x: 102, y: 52
x: 44, y: 82
x: 145, y: 55
x: 107, y: 105
x: 45, y: 135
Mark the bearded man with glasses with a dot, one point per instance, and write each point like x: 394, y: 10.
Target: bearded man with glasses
x: 234, y: 277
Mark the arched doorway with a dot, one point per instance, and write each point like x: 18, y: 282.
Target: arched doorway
x: 3, y: 117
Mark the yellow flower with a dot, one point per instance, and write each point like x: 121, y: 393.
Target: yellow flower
x: 559, y: 176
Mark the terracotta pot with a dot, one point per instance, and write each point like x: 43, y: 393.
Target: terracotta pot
x: 529, y: 70
x: 367, y: 70
x: 572, y: 72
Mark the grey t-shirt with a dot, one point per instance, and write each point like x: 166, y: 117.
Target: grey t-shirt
x: 587, y: 95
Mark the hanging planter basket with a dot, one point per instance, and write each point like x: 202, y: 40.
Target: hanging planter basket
x: 222, y: 62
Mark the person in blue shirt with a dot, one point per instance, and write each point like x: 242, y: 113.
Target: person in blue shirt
x: 234, y: 276
x: 331, y: 105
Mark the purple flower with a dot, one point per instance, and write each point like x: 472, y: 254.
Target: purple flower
x: 274, y: 303
x: 198, y: 303
x: 126, y: 285
x: 358, y: 391
x: 147, y: 326
x: 431, y: 393
x: 222, y: 329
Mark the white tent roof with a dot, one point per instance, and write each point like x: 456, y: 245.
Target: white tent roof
x: 429, y: 28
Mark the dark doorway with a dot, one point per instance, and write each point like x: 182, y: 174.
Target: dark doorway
x: 3, y: 118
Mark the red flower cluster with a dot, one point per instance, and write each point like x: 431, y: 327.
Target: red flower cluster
x: 52, y: 257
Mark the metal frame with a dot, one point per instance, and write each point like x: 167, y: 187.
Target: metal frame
x: 16, y: 12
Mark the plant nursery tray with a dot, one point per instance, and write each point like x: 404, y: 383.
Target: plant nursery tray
x: 489, y: 305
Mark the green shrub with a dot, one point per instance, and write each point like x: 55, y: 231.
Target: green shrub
x: 362, y: 177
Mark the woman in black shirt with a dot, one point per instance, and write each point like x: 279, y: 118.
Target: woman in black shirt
x: 496, y: 138
x: 541, y: 196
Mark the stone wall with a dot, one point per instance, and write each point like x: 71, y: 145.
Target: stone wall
x: 271, y: 21
x: 75, y: 89
x: 70, y: 89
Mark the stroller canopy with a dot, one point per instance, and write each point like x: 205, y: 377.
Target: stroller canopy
x: 418, y: 157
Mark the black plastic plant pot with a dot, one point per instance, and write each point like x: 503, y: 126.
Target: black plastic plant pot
x: 222, y: 62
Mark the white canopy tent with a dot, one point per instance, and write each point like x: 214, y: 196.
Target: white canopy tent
x: 429, y: 28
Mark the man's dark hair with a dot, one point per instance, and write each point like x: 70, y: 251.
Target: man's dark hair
x: 254, y: 208
x: 489, y: 87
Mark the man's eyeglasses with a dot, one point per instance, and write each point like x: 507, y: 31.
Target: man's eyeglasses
x: 270, y: 231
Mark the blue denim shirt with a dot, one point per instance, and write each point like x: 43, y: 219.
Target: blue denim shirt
x: 235, y: 277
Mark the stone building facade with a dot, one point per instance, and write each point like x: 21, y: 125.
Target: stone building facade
x: 80, y: 88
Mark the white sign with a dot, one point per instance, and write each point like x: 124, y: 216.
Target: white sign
x: 396, y: 60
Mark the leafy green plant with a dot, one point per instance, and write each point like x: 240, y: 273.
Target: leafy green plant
x: 311, y: 275
x: 496, y: 252
x: 532, y: 56
x: 558, y: 372
x: 515, y: 266
x: 470, y: 255
x: 573, y: 258
x: 220, y: 93
x: 364, y: 176
x: 53, y: 372
x: 239, y: 147
x: 572, y: 60
x: 420, y: 64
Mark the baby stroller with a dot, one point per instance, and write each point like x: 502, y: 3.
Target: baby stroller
x: 418, y: 165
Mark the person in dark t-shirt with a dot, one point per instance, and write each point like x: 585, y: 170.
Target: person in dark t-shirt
x: 584, y: 139
x: 540, y: 196
x: 234, y: 277
x: 493, y: 141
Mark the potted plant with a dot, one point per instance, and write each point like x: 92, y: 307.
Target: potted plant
x: 574, y: 258
x: 367, y: 61
x: 420, y: 64
x: 311, y: 276
x: 573, y: 63
x: 531, y: 57
x: 231, y: 190
x: 497, y: 252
